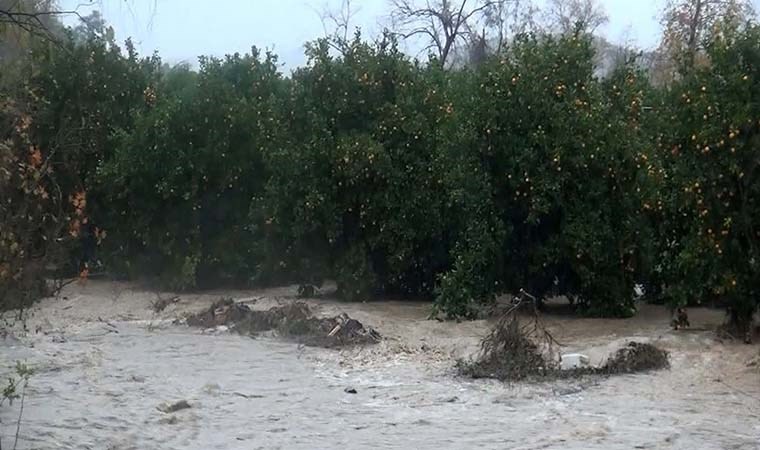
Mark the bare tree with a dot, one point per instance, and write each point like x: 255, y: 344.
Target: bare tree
x: 442, y: 24
x: 337, y: 24
x: 507, y: 18
x: 41, y: 18
x: 565, y: 16
x: 35, y: 17
x: 686, y: 24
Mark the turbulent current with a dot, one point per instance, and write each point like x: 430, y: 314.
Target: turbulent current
x: 100, y: 384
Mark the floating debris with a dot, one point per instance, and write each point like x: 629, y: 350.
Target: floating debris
x: 292, y: 321
x: 636, y: 357
x: 169, y: 408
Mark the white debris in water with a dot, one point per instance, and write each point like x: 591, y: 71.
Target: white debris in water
x: 570, y: 361
x: 216, y: 330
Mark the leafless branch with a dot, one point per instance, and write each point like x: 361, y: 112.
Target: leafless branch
x: 564, y: 16
x: 32, y: 22
x: 442, y: 23
x: 686, y: 24
x: 337, y: 24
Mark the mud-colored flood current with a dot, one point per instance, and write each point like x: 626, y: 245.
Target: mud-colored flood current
x: 98, y: 384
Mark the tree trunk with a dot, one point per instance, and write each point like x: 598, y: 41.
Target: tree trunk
x: 693, y: 28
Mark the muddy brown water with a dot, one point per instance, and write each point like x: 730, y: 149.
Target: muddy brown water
x: 98, y: 385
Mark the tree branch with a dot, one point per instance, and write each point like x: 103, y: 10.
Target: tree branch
x: 443, y: 22
x: 31, y: 22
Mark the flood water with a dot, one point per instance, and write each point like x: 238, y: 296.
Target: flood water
x: 99, y: 386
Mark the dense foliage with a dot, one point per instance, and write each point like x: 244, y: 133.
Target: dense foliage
x: 28, y: 208
x: 178, y: 188
x: 562, y: 151
x: 357, y: 191
x: 710, y: 228
x: 392, y: 177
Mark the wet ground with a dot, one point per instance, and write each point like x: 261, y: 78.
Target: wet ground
x: 105, y: 363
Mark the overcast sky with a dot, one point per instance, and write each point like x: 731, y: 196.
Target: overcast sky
x: 183, y: 29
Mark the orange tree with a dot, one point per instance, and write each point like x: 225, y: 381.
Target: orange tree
x: 710, y: 230
x: 477, y: 231
x: 565, y: 158
x: 59, y: 106
x: 632, y: 107
x: 180, y: 185
x: 355, y: 194
x: 86, y: 91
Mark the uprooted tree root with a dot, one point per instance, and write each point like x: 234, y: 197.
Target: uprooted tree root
x: 508, y: 353
x: 516, y: 348
x: 519, y: 348
x: 293, y: 321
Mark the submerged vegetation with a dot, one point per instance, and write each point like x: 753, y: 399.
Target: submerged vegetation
x: 520, y: 347
x: 529, y: 169
x: 510, y: 353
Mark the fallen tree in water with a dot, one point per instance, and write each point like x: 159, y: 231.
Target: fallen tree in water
x: 520, y: 347
x: 293, y: 321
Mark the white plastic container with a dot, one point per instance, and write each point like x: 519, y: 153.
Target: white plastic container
x: 570, y: 361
